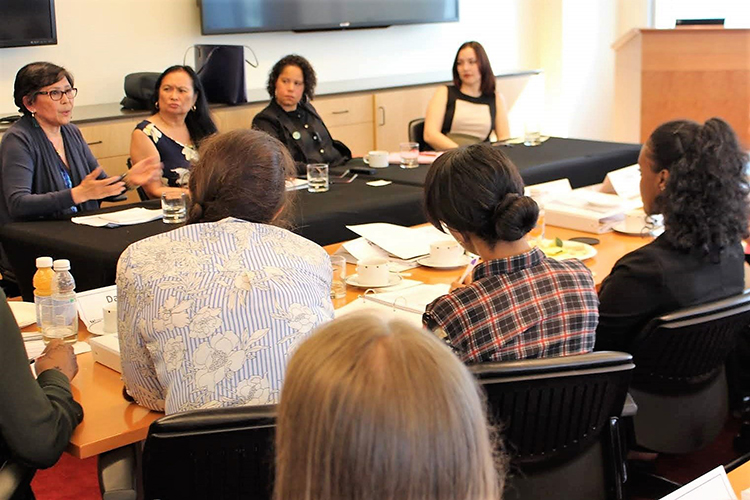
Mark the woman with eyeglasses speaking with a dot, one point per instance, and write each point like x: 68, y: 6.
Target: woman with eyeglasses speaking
x: 46, y: 167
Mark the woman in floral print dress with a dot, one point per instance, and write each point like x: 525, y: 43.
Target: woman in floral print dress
x: 209, y: 312
x: 181, y: 120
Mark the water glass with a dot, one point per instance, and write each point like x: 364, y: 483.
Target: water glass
x: 409, y: 154
x: 174, y: 207
x: 338, y: 285
x: 317, y: 177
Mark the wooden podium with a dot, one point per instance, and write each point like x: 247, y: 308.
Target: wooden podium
x: 663, y: 75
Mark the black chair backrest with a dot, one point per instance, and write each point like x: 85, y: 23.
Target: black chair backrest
x: 685, y: 349
x: 416, y: 134
x: 141, y: 192
x: 551, y: 409
x: 219, y: 454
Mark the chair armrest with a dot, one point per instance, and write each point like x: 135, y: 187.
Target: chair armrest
x: 117, y: 471
x: 630, y: 408
x: 13, y: 477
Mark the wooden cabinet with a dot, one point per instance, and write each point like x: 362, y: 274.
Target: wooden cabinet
x: 349, y: 119
x: 234, y: 117
x: 394, y: 109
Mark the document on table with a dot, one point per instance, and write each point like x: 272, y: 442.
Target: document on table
x: 128, y: 217
x: 713, y: 485
x: 34, y: 348
x: 403, y: 242
x: 361, y: 249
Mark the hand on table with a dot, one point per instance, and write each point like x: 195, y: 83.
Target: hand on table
x: 145, y: 171
x: 59, y: 356
x: 92, y: 188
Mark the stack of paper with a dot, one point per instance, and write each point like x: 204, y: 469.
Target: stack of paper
x: 403, y: 242
x: 130, y: 216
x: 295, y: 184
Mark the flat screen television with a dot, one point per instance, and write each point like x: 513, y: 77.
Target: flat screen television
x: 27, y: 22
x: 247, y: 16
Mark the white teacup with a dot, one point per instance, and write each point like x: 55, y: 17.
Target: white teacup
x: 109, y: 315
x: 446, y: 253
x: 373, y: 272
x: 635, y: 221
x: 376, y: 159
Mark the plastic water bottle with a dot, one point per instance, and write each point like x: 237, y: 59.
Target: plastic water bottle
x: 64, y: 324
x: 43, y: 291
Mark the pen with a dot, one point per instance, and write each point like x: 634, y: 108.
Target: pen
x: 468, y: 269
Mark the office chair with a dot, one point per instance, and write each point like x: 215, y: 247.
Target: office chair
x: 416, y: 134
x: 559, y: 418
x: 679, y: 382
x: 222, y: 453
x: 141, y: 192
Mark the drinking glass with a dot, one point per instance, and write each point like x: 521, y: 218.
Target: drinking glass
x: 409, y: 154
x: 174, y: 207
x: 317, y: 177
x: 338, y: 285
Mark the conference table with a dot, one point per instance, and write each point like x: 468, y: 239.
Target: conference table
x: 93, y: 251
x: 111, y: 422
x: 582, y: 162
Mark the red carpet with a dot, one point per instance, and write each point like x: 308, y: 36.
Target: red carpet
x: 69, y: 479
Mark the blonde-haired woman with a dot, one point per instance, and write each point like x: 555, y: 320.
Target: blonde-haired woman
x: 379, y: 409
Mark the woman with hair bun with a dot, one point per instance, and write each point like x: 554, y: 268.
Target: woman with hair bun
x: 695, y: 176
x: 517, y: 303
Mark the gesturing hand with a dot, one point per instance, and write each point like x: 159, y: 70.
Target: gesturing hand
x: 145, y: 171
x: 59, y: 356
x: 92, y: 188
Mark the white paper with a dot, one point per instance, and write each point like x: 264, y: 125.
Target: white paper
x: 295, y: 184
x: 379, y: 183
x: 130, y: 216
x: 91, y: 302
x: 24, y: 312
x: 403, y: 242
x: 548, y: 190
x: 34, y: 348
x: 625, y: 182
x: 713, y: 485
x: 361, y: 305
x: 415, y: 299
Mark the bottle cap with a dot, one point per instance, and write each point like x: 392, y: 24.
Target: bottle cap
x: 43, y: 262
x: 62, y: 265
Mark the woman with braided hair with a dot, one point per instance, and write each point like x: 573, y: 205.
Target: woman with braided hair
x: 208, y: 312
x: 517, y: 303
x: 694, y: 175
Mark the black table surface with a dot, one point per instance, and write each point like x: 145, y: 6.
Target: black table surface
x: 583, y: 162
x: 93, y: 251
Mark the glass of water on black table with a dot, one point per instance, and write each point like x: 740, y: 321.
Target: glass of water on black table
x: 174, y: 207
x: 317, y: 177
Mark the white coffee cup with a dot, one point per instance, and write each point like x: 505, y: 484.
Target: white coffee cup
x: 109, y: 315
x: 376, y: 159
x: 373, y: 272
x: 635, y: 221
x: 446, y: 253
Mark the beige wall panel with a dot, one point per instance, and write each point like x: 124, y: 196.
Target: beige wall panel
x: 358, y: 137
x: 344, y: 109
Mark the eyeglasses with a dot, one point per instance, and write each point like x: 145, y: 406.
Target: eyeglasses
x: 56, y: 95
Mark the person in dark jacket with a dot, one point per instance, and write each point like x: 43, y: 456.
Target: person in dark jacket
x: 291, y: 118
x: 37, y: 417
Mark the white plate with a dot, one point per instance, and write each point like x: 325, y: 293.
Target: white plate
x: 97, y: 328
x: 393, y: 279
x: 25, y: 312
x: 655, y: 231
x: 427, y: 262
x: 571, y: 250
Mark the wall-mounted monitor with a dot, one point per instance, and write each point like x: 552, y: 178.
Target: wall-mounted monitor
x: 247, y: 16
x: 27, y: 22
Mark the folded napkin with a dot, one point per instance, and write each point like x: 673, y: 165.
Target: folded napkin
x: 128, y: 217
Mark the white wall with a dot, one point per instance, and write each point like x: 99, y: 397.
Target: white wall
x: 100, y: 41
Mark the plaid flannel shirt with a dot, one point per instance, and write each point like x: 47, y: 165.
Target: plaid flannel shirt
x: 524, y: 306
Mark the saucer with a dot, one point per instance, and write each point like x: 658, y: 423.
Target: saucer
x: 97, y: 328
x: 654, y: 231
x: 353, y: 280
x: 427, y: 262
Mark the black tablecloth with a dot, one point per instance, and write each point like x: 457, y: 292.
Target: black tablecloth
x: 583, y: 162
x: 93, y: 252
